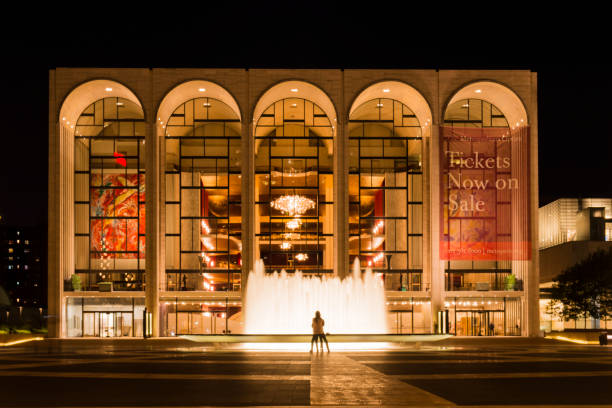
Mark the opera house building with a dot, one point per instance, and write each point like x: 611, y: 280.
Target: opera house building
x: 168, y: 186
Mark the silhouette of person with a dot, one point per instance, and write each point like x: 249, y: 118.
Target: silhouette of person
x: 317, y: 332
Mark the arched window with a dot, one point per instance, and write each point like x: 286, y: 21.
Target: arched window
x: 474, y: 113
x: 109, y: 195
x: 203, y: 219
x: 479, y: 275
x: 294, y: 187
x: 386, y: 192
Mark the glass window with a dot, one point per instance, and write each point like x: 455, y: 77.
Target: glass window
x: 294, y: 187
x: 203, y: 197
x: 385, y: 192
x: 109, y: 183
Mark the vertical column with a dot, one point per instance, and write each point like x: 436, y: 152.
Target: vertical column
x: 532, y: 294
x: 55, y: 286
x: 153, y: 139
x: 341, y: 213
x: 249, y: 246
x: 431, y: 235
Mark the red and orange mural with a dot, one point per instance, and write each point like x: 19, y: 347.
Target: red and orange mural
x: 121, y: 198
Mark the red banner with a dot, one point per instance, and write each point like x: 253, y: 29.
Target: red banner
x: 484, y: 188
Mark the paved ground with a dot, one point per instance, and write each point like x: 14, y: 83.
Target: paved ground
x: 478, y: 373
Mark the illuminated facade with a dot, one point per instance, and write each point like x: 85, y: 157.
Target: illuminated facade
x: 166, y: 185
x: 571, y: 229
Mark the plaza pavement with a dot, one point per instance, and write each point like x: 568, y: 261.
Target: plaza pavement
x: 178, y: 373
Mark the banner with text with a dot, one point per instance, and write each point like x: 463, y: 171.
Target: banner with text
x: 484, y: 206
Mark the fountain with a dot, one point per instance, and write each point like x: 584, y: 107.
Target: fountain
x: 281, y: 303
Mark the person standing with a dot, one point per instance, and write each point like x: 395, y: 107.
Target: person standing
x: 317, y: 331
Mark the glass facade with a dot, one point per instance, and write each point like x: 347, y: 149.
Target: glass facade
x: 198, y: 316
x: 386, y: 192
x: 289, y: 184
x: 294, y: 187
x: 203, y: 218
x: 109, y: 196
x: 104, y: 317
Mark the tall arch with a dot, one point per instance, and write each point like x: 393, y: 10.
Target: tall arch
x: 296, y: 89
x: 197, y: 88
x: 401, y: 92
x: 505, y: 99
x: 87, y: 93
x: 294, y: 187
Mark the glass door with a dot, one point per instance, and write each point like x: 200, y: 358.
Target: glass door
x: 108, y: 326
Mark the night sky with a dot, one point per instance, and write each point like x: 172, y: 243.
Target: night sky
x: 575, y: 129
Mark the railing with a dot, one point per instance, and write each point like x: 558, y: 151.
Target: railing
x: 481, y: 281
x: 105, y: 280
x: 212, y: 280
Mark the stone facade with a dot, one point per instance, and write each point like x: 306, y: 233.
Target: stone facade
x: 150, y: 87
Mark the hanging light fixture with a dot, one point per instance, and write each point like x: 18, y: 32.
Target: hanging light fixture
x: 301, y: 257
x: 293, y: 204
x: 294, y: 224
x: 285, y: 245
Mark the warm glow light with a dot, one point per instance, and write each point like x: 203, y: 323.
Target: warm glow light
x: 301, y: 257
x: 285, y: 245
x: 108, y: 89
x: 378, y: 227
x: 293, y: 224
x: 202, y: 89
x: 294, y: 89
x: 386, y: 90
x: 293, y: 204
x: 12, y: 343
x: 205, y: 226
x: 478, y: 91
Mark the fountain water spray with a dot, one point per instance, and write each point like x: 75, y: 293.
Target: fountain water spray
x: 281, y: 303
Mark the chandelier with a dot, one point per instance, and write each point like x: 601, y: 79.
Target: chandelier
x: 293, y: 204
x: 301, y: 257
x: 294, y: 224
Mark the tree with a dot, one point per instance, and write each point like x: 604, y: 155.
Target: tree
x: 585, y: 289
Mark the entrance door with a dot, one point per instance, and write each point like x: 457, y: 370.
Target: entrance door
x: 91, y: 324
x: 108, y: 324
x: 480, y: 323
x: 403, y: 322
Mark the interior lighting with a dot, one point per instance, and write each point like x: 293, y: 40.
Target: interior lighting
x: 378, y: 257
x: 109, y: 89
x: 119, y: 103
x: 386, y: 90
x: 293, y: 204
x: 205, y: 226
x: 202, y: 89
x: 285, y: 245
x: 379, y: 105
x: 294, y: 224
x: 294, y: 105
x: 294, y: 89
x: 378, y: 227
x: 301, y: 257
x: 207, y: 104
x: 478, y: 91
